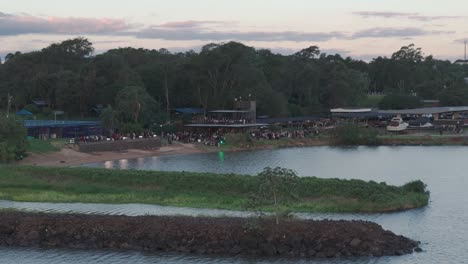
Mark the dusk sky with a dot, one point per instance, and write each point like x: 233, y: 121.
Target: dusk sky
x: 361, y: 29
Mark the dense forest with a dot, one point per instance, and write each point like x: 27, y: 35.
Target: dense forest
x: 142, y: 85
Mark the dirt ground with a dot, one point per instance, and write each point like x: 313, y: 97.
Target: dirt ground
x: 70, y: 157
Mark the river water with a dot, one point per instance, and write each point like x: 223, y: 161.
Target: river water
x: 442, y: 227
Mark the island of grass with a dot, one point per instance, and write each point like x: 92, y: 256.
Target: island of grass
x: 199, y: 190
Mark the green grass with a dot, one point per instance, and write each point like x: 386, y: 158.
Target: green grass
x: 199, y: 190
x: 43, y: 146
x: 429, y: 140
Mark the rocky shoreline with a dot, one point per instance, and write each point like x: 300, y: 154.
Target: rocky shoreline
x: 203, y: 235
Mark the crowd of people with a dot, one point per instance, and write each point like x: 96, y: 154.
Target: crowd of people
x: 206, y: 138
x: 225, y: 121
x: 273, y: 135
x: 115, y: 136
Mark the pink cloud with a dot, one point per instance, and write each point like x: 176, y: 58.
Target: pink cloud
x: 17, y: 24
x: 191, y: 24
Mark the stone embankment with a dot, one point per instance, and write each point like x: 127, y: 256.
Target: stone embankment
x: 202, y: 235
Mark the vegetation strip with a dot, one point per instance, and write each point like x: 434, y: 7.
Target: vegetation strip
x: 203, y: 235
x: 199, y: 190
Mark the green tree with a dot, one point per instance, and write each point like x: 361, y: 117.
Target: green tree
x: 109, y: 118
x: 135, y: 105
x: 12, y: 140
x: 409, y: 53
x: 455, y: 95
x: 277, y: 188
x: 400, y: 101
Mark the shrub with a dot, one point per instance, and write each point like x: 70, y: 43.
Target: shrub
x: 415, y: 186
x: 351, y: 134
x: 400, y: 101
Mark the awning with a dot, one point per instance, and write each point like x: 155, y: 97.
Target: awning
x: 23, y: 112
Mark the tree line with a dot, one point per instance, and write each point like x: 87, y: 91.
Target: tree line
x: 141, y: 86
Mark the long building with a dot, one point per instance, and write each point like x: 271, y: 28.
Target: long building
x: 62, y: 128
x: 449, y: 112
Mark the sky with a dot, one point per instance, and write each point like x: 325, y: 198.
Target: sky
x: 362, y: 29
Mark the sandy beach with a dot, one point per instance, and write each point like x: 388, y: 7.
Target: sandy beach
x: 70, y: 157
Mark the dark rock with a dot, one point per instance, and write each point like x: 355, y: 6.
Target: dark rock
x: 355, y: 242
x: 235, y: 250
x: 311, y: 253
x: 267, y: 249
x: 202, y: 235
x: 321, y: 255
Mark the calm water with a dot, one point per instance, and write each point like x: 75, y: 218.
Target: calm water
x: 442, y: 227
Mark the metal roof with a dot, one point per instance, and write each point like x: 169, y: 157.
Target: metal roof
x: 190, y: 110
x: 426, y: 111
x: 288, y: 119
x: 39, y: 102
x: 229, y: 111
x: 374, y: 114
x: 226, y: 126
x: 351, y: 110
x: 23, y: 112
x: 58, y: 123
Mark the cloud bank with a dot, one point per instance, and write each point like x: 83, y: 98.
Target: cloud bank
x: 207, y: 35
x: 20, y: 24
x: 390, y: 32
x: 411, y: 16
x: 194, y: 30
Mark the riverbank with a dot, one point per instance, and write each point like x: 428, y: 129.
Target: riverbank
x: 243, y: 143
x: 198, y: 190
x: 202, y: 235
x: 67, y: 157
x: 424, y: 140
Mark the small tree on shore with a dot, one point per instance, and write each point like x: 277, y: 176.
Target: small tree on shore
x: 276, y: 187
x: 12, y: 140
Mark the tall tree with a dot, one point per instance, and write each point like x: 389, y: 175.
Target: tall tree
x: 135, y: 104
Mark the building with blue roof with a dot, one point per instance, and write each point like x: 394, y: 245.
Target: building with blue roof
x: 62, y: 128
x: 24, y: 112
x: 190, y: 111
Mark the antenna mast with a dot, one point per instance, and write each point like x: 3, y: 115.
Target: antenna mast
x: 465, y: 50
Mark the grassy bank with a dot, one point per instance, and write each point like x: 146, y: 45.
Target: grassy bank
x: 44, y: 146
x: 425, y: 140
x: 243, y: 142
x: 43, y: 184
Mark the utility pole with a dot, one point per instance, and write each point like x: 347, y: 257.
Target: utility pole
x: 465, y: 51
x: 9, y: 98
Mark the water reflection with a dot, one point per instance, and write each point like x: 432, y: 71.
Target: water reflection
x: 140, y: 162
x: 59, y: 256
x: 108, y: 165
x: 123, y: 164
x: 441, y: 227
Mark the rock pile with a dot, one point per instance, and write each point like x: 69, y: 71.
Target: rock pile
x: 203, y: 235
